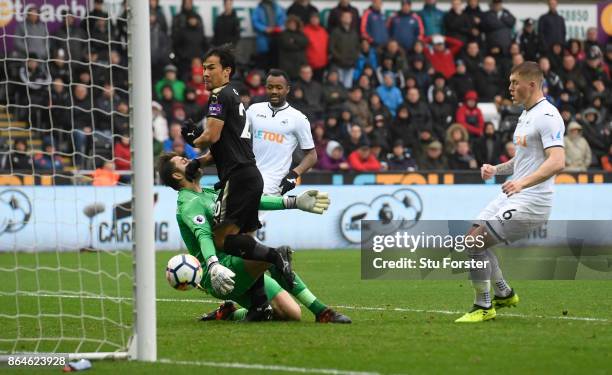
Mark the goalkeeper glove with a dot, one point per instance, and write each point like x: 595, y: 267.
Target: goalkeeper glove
x: 288, y: 182
x: 310, y: 201
x: 191, y: 131
x: 221, y: 277
x: 192, y: 171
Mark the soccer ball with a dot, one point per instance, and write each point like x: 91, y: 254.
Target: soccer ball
x: 184, y: 272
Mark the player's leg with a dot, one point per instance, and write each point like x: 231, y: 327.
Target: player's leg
x: 236, y: 214
x: 300, y: 291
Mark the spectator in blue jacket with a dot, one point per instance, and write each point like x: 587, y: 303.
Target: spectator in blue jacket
x: 406, y: 26
x: 389, y: 94
x: 373, y: 25
x: 433, y: 18
x: 268, y: 20
x: 367, y: 57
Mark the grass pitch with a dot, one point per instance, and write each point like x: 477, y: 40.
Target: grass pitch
x: 398, y: 326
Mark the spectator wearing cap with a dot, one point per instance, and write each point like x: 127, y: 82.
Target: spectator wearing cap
x: 461, y: 82
x: 442, y: 113
x: 433, y: 18
x: 433, y: 159
x: 488, y: 148
x: 160, y: 47
x: 577, y: 150
x: 160, y: 124
x: 268, y: 20
x: 596, y: 132
x: 594, y: 69
x: 399, y: 159
x: 318, y: 43
x: 363, y: 159
x: 333, y: 159
x: 302, y: 9
x: 462, y: 159
x: 470, y: 116
x: 292, y: 45
x: 344, y: 49
x: 457, y: 23
x: 170, y: 79
x: 529, y: 41
x: 489, y: 83
x: 497, y: 25
x: 373, y: 25
x: 335, y: 16
x: 551, y: 26
x: 227, y: 26
x: 188, y: 39
x: 442, y: 53
x: 31, y: 35
x: 405, y: 26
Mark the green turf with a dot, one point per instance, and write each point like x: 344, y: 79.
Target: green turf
x: 540, y: 340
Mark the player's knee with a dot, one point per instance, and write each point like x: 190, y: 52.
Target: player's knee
x: 285, y: 308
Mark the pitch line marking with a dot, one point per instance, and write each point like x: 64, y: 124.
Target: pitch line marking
x: 357, y: 308
x: 255, y: 366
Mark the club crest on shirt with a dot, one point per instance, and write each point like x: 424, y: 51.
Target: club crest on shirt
x: 199, y: 219
x: 215, y: 109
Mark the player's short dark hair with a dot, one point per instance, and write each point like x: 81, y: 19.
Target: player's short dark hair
x: 166, y: 169
x: 225, y: 53
x: 279, y: 73
x: 529, y: 70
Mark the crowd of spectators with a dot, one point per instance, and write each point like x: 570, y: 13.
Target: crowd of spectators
x: 402, y: 91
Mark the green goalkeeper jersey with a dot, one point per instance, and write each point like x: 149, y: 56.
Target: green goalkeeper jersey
x: 195, y: 214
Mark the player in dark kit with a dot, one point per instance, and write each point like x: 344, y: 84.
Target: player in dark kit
x: 227, y: 134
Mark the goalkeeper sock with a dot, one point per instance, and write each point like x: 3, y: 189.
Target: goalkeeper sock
x: 500, y: 286
x: 238, y: 314
x: 246, y: 247
x: 300, y: 291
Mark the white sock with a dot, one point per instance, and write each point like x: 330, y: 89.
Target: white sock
x: 500, y: 286
x: 482, y: 294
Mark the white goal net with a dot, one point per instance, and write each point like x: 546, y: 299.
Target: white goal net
x: 66, y: 197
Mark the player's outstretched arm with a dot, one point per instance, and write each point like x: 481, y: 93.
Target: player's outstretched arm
x: 554, y: 163
x: 312, y: 201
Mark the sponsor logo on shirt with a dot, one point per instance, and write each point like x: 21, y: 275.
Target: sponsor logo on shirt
x: 520, y: 140
x: 269, y: 136
x: 215, y: 109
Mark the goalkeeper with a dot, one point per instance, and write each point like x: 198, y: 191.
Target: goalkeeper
x: 231, y: 277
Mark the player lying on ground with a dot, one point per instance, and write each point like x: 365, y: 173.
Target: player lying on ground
x: 231, y: 277
x: 227, y: 134
x: 526, y: 200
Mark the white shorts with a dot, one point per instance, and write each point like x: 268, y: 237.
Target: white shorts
x: 513, y: 218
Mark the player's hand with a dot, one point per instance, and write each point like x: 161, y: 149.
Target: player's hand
x: 191, y: 131
x: 289, y: 182
x: 313, y: 201
x: 487, y: 171
x: 221, y: 278
x: 512, y: 187
x: 192, y: 171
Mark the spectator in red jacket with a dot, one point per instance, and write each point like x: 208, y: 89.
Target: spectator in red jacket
x: 363, y: 160
x: 198, y: 85
x: 442, y: 54
x: 318, y: 40
x: 123, y: 156
x: 469, y: 115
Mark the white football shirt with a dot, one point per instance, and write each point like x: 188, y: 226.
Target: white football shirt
x: 276, y: 134
x: 539, y: 128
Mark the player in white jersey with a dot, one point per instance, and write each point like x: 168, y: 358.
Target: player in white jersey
x: 526, y: 199
x: 278, y: 129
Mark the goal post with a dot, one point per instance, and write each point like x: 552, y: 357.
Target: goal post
x: 77, y: 257
x: 142, y: 156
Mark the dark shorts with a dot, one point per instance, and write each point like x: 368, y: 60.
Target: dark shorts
x: 239, y: 198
